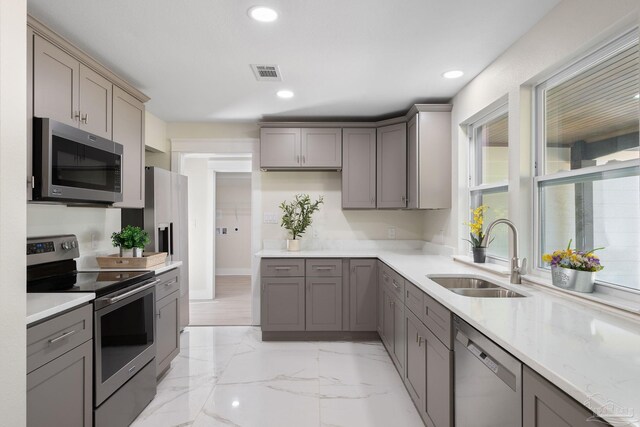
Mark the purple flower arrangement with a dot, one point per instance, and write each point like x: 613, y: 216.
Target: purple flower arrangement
x: 574, y: 259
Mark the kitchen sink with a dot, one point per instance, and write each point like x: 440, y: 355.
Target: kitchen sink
x: 487, y: 293
x: 463, y: 282
x: 475, y: 287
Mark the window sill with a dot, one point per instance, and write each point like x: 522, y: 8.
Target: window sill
x: 616, y: 302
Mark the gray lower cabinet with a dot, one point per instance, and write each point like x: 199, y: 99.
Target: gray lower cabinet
x: 60, y: 370
x: 380, y: 303
x: 167, y: 331
x: 393, y: 329
x: 283, y: 304
x: 438, y: 396
x: 323, y: 304
x: 363, y: 295
x: 544, y: 405
x: 392, y: 166
x: 359, y: 168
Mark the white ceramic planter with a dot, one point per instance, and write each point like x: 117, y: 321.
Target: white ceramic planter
x: 293, y: 245
x: 137, y: 252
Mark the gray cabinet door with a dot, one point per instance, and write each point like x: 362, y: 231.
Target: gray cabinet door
x: 544, y: 405
x: 399, y: 334
x: 55, y: 83
x: 438, y: 398
x: 280, y: 147
x: 324, y: 304
x: 128, y: 130
x: 283, y: 304
x: 415, y: 376
x: 359, y: 168
x: 167, y: 331
x: 321, y: 148
x: 380, y: 304
x: 387, y: 321
x: 392, y: 166
x: 60, y: 393
x: 95, y: 103
x: 363, y: 295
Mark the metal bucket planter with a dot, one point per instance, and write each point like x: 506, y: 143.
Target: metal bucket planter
x: 573, y: 280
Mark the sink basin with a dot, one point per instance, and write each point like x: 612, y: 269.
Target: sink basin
x: 475, y: 287
x: 488, y: 293
x: 463, y: 283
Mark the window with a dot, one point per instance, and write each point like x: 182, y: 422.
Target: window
x: 588, y: 161
x: 488, y: 173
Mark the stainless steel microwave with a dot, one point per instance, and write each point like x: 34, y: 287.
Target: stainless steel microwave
x: 74, y: 166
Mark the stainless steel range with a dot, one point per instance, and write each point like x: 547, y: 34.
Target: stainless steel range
x: 124, y: 325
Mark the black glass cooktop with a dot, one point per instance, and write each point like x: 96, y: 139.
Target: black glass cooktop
x: 100, y: 283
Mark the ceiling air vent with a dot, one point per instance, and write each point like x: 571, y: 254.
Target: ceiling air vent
x: 266, y: 73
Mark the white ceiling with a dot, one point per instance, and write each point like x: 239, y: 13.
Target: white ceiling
x: 353, y: 58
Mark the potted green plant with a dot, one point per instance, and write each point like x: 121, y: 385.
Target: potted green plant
x: 296, y: 217
x: 476, y: 235
x: 131, y: 240
x: 573, y: 269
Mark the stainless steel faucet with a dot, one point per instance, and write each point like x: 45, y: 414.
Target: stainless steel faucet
x: 517, y: 268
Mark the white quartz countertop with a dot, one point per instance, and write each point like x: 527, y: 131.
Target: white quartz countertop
x: 41, y: 306
x: 158, y: 269
x: 589, y: 351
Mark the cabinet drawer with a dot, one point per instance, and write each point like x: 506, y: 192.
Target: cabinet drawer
x: 413, y: 299
x: 169, y: 283
x: 438, y: 319
x: 282, y: 267
x: 53, y: 338
x: 393, y: 282
x: 324, y: 268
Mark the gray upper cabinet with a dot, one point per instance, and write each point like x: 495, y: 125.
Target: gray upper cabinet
x: 56, y: 82
x: 359, y: 168
x: 392, y: 166
x: 429, y: 158
x: 295, y: 148
x: 363, y: 295
x: 68, y: 91
x: 321, y: 148
x: 95, y: 103
x: 128, y: 130
x: 279, y: 147
x: 544, y: 405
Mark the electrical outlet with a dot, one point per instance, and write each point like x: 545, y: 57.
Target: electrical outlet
x: 391, y: 233
x: 269, y: 218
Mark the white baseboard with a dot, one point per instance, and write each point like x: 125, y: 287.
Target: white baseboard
x: 233, y: 271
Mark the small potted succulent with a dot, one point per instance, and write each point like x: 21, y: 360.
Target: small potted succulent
x: 131, y: 240
x: 573, y: 269
x: 476, y: 235
x: 296, y: 217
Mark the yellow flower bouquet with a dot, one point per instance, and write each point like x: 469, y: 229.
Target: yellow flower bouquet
x: 475, y: 227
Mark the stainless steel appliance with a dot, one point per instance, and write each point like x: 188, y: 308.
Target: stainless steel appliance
x: 488, y: 381
x: 165, y: 218
x: 74, y: 166
x: 124, y: 379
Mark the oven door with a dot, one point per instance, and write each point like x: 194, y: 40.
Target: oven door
x: 124, y: 336
x: 75, y: 165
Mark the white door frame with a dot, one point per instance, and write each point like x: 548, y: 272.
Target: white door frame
x: 181, y: 147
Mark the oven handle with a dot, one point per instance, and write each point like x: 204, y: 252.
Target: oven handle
x: 133, y: 292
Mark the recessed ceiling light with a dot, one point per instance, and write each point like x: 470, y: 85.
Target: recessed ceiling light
x: 637, y: 96
x: 285, y: 94
x: 235, y: 403
x: 263, y: 14
x: 453, y: 74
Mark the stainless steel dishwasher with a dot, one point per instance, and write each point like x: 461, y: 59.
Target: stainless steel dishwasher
x: 488, y: 381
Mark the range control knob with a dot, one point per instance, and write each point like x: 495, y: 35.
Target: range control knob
x: 66, y: 246
x: 74, y: 244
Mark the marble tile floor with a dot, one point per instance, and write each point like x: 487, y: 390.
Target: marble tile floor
x: 226, y: 376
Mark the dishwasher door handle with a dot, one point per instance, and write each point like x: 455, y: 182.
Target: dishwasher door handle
x: 507, y: 377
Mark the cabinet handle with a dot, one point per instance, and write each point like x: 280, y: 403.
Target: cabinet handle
x: 395, y: 285
x: 417, y: 337
x: 303, y: 160
x: 373, y: 201
x: 159, y: 315
x: 85, y: 118
x: 419, y: 340
x: 61, y: 337
x: 282, y: 268
x: 298, y: 159
x: 76, y: 115
x: 324, y: 268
